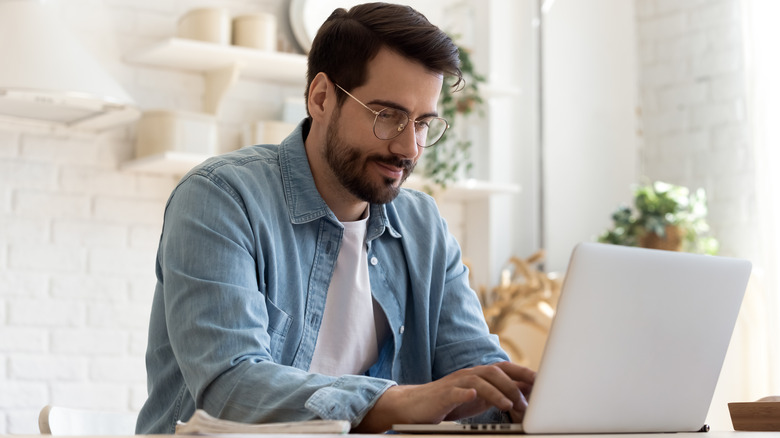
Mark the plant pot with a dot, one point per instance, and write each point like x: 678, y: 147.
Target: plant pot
x: 671, y: 242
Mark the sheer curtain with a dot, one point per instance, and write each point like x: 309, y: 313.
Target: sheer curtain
x: 752, y: 366
x: 761, y: 34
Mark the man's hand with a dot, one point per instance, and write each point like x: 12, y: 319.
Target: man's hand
x: 462, y: 394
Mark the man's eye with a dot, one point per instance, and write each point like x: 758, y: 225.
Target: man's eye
x: 387, y: 115
x: 423, y: 124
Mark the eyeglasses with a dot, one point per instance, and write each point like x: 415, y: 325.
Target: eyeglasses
x: 389, y: 123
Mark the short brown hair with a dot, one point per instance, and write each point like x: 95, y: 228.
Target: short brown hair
x: 348, y: 40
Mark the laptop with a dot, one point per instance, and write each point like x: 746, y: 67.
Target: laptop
x: 636, y: 345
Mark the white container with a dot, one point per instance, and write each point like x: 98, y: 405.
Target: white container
x: 162, y: 131
x: 257, y: 31
x: 206, y: 24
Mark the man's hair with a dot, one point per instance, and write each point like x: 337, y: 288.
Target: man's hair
x: 348, y: 40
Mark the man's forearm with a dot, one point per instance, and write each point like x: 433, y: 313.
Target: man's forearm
x: 268, y: 392
x: 384, y: 413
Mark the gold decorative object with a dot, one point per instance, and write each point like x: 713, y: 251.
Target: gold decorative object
x: 524, y: 295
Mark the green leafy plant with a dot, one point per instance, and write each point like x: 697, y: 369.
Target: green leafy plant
x: 664, y: 216
x: 444, y: 162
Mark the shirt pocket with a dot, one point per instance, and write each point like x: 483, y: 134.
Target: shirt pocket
x: 279, y: 323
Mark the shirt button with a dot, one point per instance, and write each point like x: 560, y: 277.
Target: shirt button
x: 401, y: 329
x: 374, y: 261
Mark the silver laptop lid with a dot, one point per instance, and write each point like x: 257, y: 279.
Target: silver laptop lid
x: 638, y: 341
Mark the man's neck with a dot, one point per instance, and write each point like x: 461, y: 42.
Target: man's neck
x: 348, y: 212
x: 344, y: 204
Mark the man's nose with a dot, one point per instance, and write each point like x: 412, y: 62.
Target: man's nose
x: 405, y: 145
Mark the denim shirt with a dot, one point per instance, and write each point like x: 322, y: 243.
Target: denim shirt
x: 245, y: 259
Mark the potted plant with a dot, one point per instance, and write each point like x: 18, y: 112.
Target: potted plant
x: 665, y: 216
x: 445, y: 162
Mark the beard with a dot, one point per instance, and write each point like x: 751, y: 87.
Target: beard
x: 349, y: 163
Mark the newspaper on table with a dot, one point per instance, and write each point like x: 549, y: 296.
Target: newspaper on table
x: 201, y: 423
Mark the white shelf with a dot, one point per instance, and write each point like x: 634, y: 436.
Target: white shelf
x: 179, y: 163
x: 221, y: 66
x: 166, y: 163
x: 192, y: 55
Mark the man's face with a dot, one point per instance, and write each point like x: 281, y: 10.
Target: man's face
x: 350, y: 164
x: 371, y: 169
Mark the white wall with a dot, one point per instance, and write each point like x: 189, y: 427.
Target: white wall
x: 78, y: 236
x: 589, y: 135
x: 77, y: 240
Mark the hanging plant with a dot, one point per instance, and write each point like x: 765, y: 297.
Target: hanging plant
x: 445, y: 162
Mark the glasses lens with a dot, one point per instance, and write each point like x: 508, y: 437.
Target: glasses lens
x: 390, y: 123
x: 430, y: 131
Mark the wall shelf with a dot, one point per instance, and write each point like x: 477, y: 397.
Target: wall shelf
x: 185, y: 54
x: 166, y: 163
x: 222, y: 65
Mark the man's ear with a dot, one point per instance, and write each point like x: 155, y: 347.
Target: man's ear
x: 320, y: 96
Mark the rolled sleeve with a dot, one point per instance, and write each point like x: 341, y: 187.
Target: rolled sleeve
x: 349, y: 397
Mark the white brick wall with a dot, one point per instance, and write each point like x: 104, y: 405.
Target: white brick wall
x: 78, y: 236
x: 692, y: 92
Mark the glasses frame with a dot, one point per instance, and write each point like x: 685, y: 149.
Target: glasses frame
x: 399, y: 131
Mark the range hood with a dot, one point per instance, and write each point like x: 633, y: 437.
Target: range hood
x: 47, y: 77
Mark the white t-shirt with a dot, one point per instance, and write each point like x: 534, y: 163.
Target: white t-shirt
x: 347, y: 342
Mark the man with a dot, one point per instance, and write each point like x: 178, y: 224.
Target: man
x: 299, y: 281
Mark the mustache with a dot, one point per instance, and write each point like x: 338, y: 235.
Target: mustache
x: 406, y: 165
